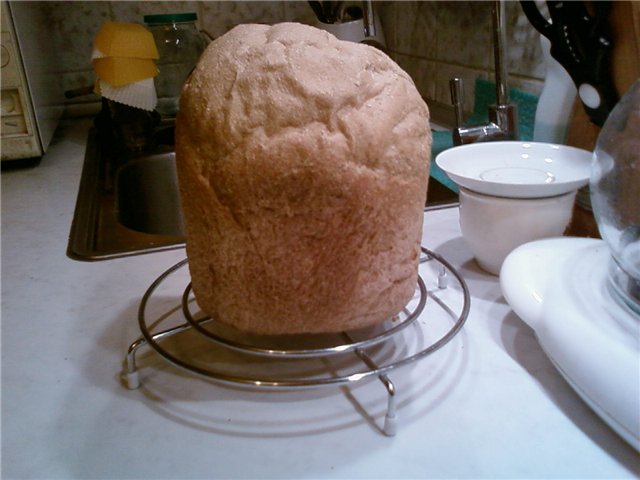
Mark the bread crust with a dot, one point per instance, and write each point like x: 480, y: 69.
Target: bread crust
x: 303, y: 164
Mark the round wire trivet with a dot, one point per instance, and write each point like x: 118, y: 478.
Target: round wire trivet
x: 347, y: 343
x: 347, y: 346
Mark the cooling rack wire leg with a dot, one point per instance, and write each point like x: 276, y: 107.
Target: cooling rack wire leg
x: 390, y: 425
x: 130, y: 375
x: 442, y: 277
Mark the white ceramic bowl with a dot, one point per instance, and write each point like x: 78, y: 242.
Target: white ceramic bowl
x: 517, y: 169
x: 493, y: 226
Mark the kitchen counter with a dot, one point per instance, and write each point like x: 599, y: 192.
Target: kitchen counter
x: 488, y: 404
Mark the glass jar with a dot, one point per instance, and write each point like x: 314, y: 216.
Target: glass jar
x: 615, y: 194
x: 180, y: 45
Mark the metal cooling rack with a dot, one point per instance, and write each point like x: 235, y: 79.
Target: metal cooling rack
x: 362, y: 346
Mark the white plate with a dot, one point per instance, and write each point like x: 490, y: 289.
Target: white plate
x: 559, y: 288
x: 517, y: 169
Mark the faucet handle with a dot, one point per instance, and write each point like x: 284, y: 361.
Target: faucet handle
x: 457, y: 98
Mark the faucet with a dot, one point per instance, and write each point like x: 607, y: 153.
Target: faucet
x: 503, y: 116
x: 368, y: 19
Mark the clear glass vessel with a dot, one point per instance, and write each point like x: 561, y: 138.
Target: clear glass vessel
x: 180, y: 45
x: 615, y: 195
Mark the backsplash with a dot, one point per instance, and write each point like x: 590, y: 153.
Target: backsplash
x: 432, y: 41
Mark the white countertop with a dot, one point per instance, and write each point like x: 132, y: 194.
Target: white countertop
x: 489, y: 404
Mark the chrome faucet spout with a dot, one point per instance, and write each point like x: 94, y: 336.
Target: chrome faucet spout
x: 503, y: 115
x: 368, y: 19
x: 499, y: 52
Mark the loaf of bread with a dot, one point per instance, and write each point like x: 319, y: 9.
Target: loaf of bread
x: 303, y: 163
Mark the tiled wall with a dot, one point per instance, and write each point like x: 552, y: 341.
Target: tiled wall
x: 436, y: 41
x: 432, y: 41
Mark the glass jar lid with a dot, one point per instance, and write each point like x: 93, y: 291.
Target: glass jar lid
x: 171, y: 18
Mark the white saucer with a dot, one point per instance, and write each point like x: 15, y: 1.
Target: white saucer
x: 559, y: 288
x: 517, y: 169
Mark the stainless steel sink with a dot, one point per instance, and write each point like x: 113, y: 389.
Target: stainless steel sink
x: 125, y: 207
x: 147, y: 196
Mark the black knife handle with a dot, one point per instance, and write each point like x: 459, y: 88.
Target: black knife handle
x: 582, y: 44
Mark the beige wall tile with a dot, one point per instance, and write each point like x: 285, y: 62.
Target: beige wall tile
x: 422, y: 72
x: 220, y: 17
x: 524, y: 55
x: 386, y: 11
x: 464, y: 33
x: 298, y: 11
x: 432, y: 40
x: 416, y: 28
x: 526, y: 84
x: 76, y: 24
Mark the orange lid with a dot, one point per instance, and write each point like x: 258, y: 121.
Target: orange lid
x: 121, y: 71
x: 131, y: 40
